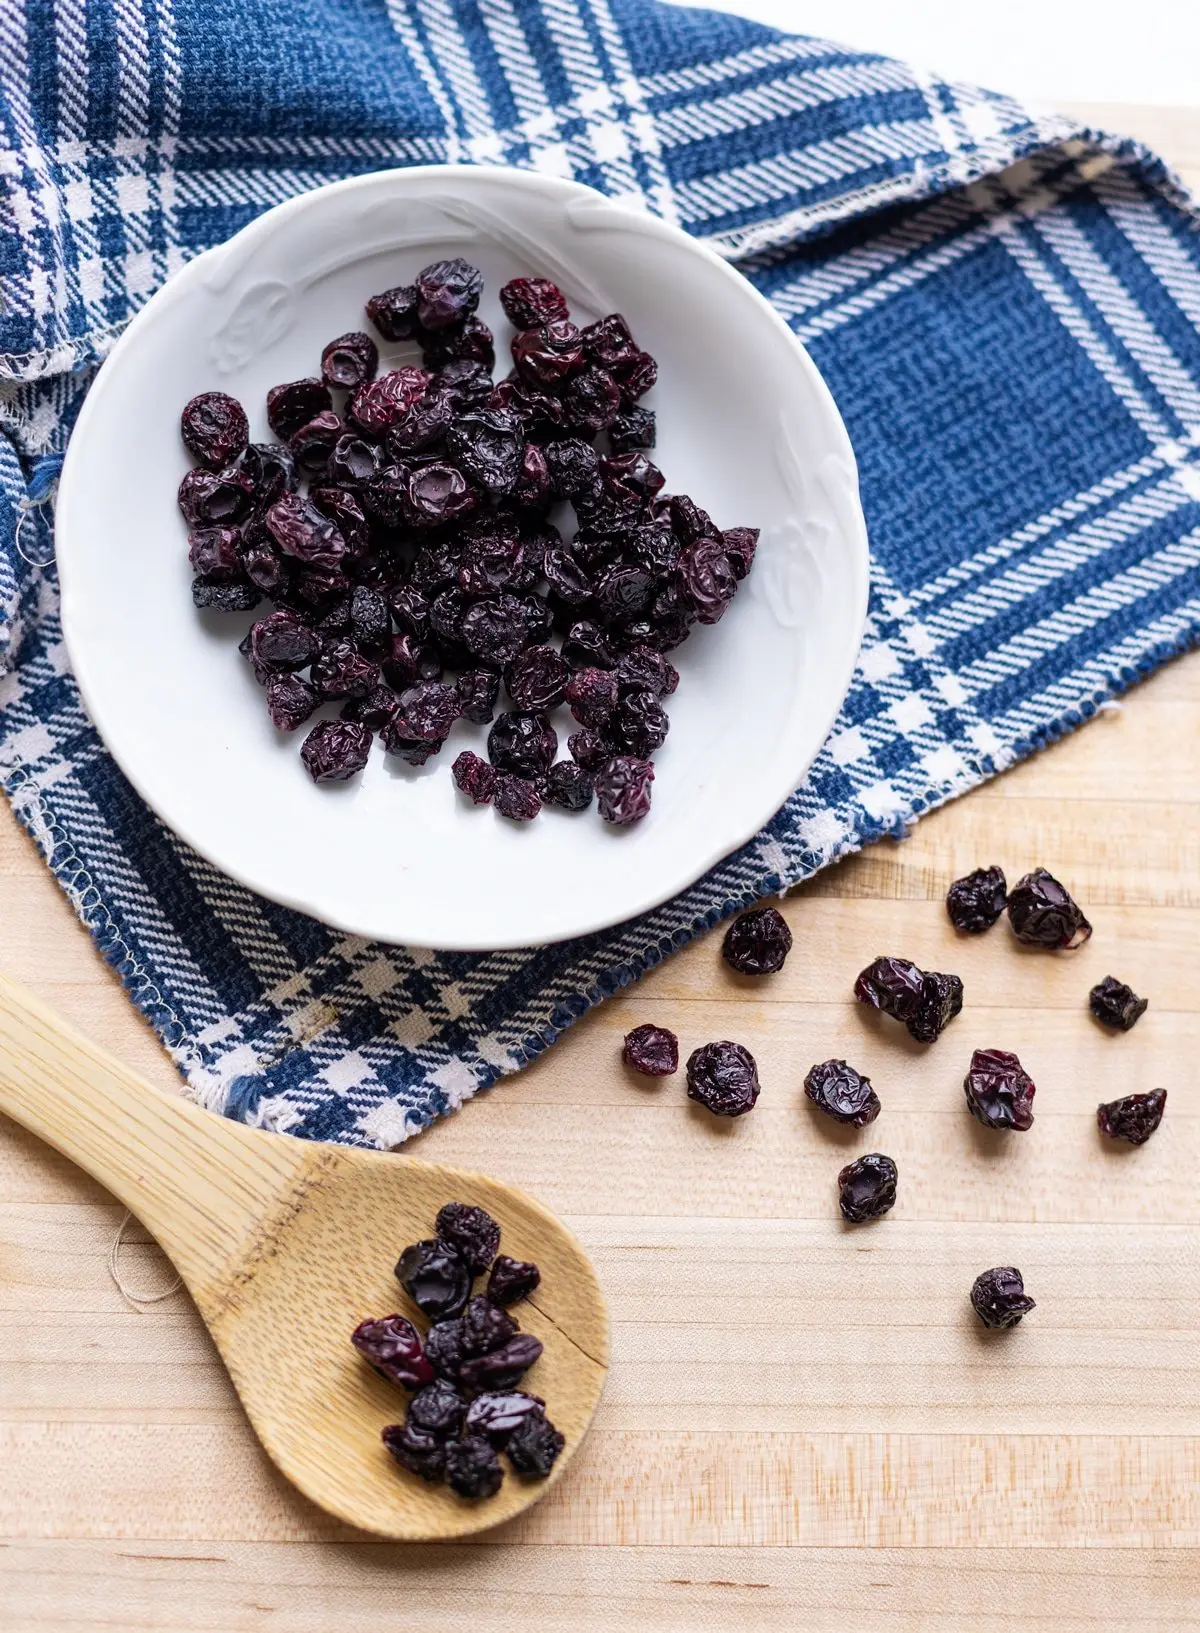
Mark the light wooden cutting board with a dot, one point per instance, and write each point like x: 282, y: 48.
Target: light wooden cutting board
x: 803, y: 1426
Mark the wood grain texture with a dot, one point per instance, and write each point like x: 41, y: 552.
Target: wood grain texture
x: 802, y: 1427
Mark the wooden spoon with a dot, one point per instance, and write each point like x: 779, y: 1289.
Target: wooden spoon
x: 285, y: 1246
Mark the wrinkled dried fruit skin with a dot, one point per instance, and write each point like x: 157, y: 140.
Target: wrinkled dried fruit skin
x: 651, y: 1050
x: 474, y: 777
x: 213, y: 554
x: 867, y: 1188
x: 215, y: 498
x: 427, y: 711
x: 394, y: 312
x: 393, y: 1347
x: 592, y: 695
x: 723, y: 1077
x: 381, y: 403
x: 438, y: 493
x: 585, y: 646
x: 376, y: 710
x: 639, y: 724
x: 443, y: 1348
x: 302, y: 531
x: 705, y: 579
x: 1134, y: 1118
x: 545, y: 356
x: 313, y: 444
x: 209, y: 596
x: 487, y: 446
x: 573, y: 465
x: 589, y: 749
x: 412, y: 750
x: 336, y: 750
x: 842, y: 1093
x: 496, y: 628
x: 494, y: 1416
x: 342, y: 671
x: 485, y: 1327
x: 473, y: 1469
x: 502, y: 1368
x: 469, y: 341
x: 436, y: 1277
x: 536, y: 680
x: 416, y: 1450
x: 591, y: 401
x: 528, y: 302
x: 999, y: 1090
x: 999, y: 1297
x: 290, y: 701
x: 740, y: 545
x: 622, y: 787
x: 515, y: 798
x: 757, y: 943
x: 533, y: 1446
x: 349, y: 360
x: 293, y: 404
x: 524, y: 744
x: 975, y: 902
x: 447, y: 293
x: 438, y: 1409
x: 1115, y: 1005
x: 472, y: 1231
x: 478, y: 690
x: 892, y: 985
x: 632, y: 429
x: 281, y: 642
x: 941, y: 1001
x: 1043, y: 914
x: 568, y: 786
x: 609, y: 341
x: 511, y: 1280
x: 644, y: 669
x: 214, y: 429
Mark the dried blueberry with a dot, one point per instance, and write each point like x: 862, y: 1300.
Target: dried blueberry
x: 1116, y: 1005
x: 975, y: 902
x: 436, y: 1277
x: 568, y: 786
x: 495, y: 561
x: 438, y: 1409
x: 302, y: 531
x: 723, y: 1077
x: 478, y: 690
x: 534, y: 1445
x: 214, y: 428
x: 213, y: 554
x: 336, y: 750
x: 642, y: 669
x: 352, y: 462
x: 443, y: 1347
x: 941, y: 1001
x: 410, y: 608
x: 487, y: 447
x: 496, y: 628
x: 586, y: 646
x: 292, y: 405
x: 589, y: 749
x: 215, y: 498
x: 394, y: 312
x: 622, y: 787
x: 502, y: 1368
x: 1134, y: 1118
x: 393, y: 1347
x: 474, y: 777
x: 438, y: 493
x: 280, y: 642
x: 639, y: 724
x: 427, y: 711
x: 545, y: 356
x: 1043, y: 914
x: 572, y: 464
x: 471, y: 1230
x: 651, y: 1050
x: 416, y: 1450
x: 472, y: 1468
x: 342, y: 671
x: 376, y: 710
x: 485, y: 1326
x: 591, y: 401
x: 349, y: 360
x: 529, y: 302
x: 705, y: 579
x: 495, y: 1416
x: 999, y: 1298
x: 511, y: 1280
x: 757, y: 943
x: 524, y: 744
x: 635, y: 377
x: 381, y: 403
x: 537, y: 679
x: 471, y: 341
x: 447, y: 292
x: 842, y: 1093
x: 515, y: 798
x: 740, y: 544
x: 632, y: 429
x: 290, y: 701
x: 592, y: 695
x: 410, y: 661
x: 867, y: 1188
x: 999, y: 1090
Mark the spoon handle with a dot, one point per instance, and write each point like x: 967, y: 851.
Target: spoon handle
x: 201, y: 1184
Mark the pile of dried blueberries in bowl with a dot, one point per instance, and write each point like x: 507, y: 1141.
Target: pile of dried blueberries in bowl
x: 464, y: 1374
x: 433, y: 558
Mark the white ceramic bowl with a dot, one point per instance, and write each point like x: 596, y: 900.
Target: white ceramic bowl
x: 746, y: 426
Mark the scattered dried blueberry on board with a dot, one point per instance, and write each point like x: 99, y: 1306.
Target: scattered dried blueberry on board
x: 723, y: 1077
x: 867, y: 1188
x: 651, y: 1050
x: 975, y: 902
x: 757, y: 943
x: 926, y: 1001
x: 1115, y: 1005
x: 1043, y: 913
x: 436, y: 1277
x: 472, y: 1468
x: 534, y: 1445
x: 842, y: 1093
x: 416, y: 1450
x: 1134, y: 1118
x: 472, y: 1231
x: 999, y: 1297
x: 512, y: 1279
x: 999, y: 1090
x: 424, y: 554
x: 393, y: 1347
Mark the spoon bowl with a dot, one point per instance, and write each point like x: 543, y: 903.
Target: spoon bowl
x: 286, y: 1246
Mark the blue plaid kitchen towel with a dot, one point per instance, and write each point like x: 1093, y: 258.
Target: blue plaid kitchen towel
x: 1007, y: 309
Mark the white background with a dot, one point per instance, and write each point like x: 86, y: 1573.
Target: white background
x: 1045, y: 51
